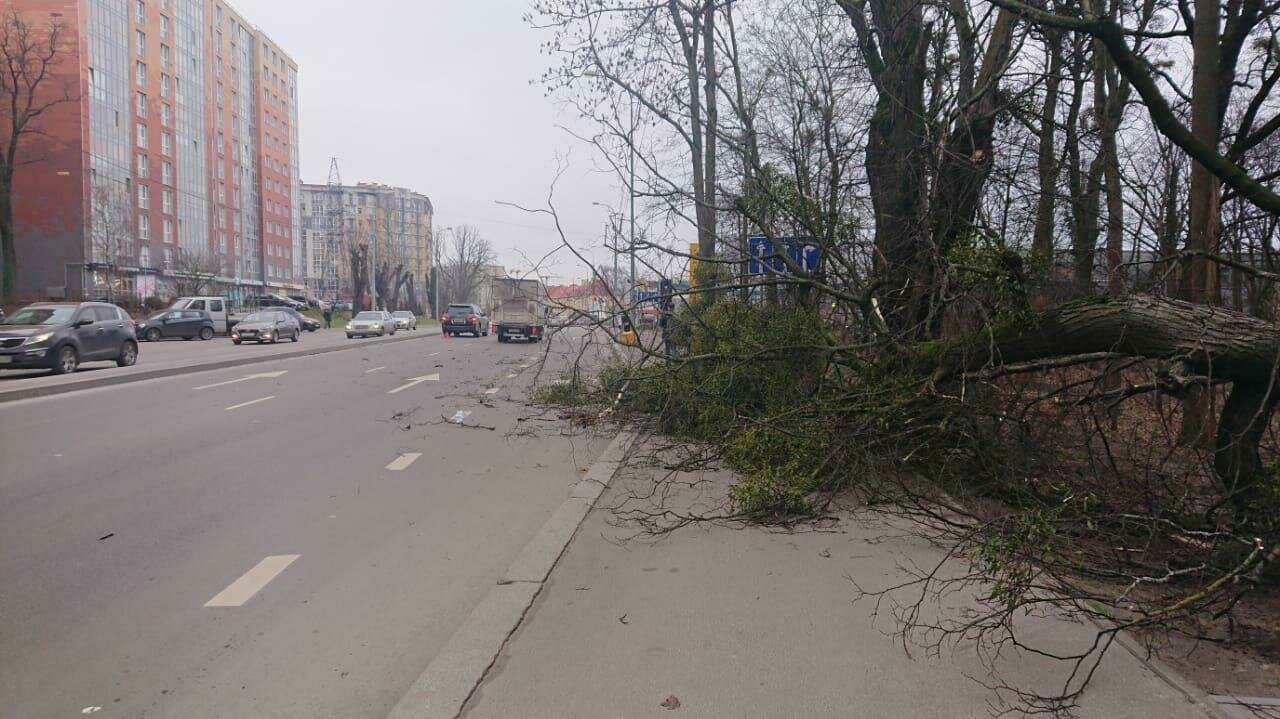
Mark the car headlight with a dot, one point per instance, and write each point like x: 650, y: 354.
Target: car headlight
x: 37, y: 339
x: 376, y: 325
x: 348, y: 325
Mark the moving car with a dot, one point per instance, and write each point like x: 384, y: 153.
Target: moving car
x: 459, y: 318
x: 405, y: 320
x: 61, y: 335
x: 187, y: 324
x: 303, y: 321
x: 371, y: 322
x: 266, y: 326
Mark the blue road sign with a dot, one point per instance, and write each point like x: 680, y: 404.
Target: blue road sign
x: 765, y: 259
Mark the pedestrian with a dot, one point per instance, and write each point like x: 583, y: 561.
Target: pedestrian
x: 328, y: 316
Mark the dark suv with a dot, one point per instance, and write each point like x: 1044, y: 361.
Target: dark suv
x: 59, y: 336
x: 464, y: 318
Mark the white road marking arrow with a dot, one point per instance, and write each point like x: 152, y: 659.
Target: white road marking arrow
x: 246, y: 378
x: 416, y: 381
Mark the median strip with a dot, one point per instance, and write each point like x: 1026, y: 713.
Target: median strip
x: 252, y: 401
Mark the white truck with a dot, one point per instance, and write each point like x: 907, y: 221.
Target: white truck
x: 519, y: 309
x: 219, y: 309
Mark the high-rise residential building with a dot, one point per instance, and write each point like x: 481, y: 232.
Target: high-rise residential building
x: 394, y: 223
x: 177, y: 157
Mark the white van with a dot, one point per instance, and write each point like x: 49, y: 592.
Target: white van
x: 217, y: 307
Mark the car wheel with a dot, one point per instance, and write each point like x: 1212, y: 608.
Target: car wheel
x: 206, y: 333
x: 128, y: 355
x: 66, y: 361
x: 295, y: 335
x: 235, y: 342
x: 153, y: 334
x: 350, y: 336
x: 502, y: 338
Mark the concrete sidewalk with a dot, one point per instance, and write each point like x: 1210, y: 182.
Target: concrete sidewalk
x: 745, y: 622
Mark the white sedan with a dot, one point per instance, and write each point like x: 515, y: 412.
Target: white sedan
x: 405, y: 320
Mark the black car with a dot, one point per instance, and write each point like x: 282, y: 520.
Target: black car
x: 187, y: 324
x: 61, y: 335
x: 460, y: 318
x: 303, y: 321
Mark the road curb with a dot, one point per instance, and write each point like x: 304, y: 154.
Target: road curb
x: 443, y: 689
x: 1193, y: 694
x: 21, y: 393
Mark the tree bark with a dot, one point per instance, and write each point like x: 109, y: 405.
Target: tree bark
x: 1208, y: 341
x: 1047, y: 159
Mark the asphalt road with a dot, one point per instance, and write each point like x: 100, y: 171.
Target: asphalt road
x: 296, y: 545
x: 180, y: 355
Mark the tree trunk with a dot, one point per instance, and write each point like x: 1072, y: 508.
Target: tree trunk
x: 1047, y: 159
x: 1199, y: 281
x: 1210, y: 342
x: 896, y: 148
x: 8, y: 242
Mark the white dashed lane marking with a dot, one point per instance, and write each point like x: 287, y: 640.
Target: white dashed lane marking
x: 375, y: 369
x: 252, y: 582
x: 401, y: 463
x: 252, y: 401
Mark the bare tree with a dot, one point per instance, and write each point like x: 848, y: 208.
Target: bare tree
x: 193, y: 272
x: 29, y: 58
x: 462, y: 265
x: 111, y: 230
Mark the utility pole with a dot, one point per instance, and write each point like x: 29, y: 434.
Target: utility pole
x: 435, y: 264
x: 373, y: 262
x: 631, y: 191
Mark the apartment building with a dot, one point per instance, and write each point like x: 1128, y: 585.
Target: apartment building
x: 394, y: 222
x: 178, y: 156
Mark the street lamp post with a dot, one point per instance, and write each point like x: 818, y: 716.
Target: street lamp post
x: 435, y: 267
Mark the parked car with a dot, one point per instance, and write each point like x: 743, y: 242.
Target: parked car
x: 217, y: 307
x: 405, y: 320
x: 187, y: 324
x: 371, y: 322
x: 266, y: 326
x: 61, y: 335
x: 459, y: 318
x: 305, y: 301
x: 274, y: 301
x: 303, y: 321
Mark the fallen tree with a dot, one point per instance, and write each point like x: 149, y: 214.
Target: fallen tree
x: 1203, y: 345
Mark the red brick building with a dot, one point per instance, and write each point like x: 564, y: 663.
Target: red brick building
x: 176, y: 157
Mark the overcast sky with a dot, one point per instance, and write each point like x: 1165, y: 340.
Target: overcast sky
x: 434, y: 95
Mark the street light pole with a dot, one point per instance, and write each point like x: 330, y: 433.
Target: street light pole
x: 435, y: 264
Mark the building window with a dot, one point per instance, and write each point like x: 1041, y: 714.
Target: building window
x: 142, y: 73
x: 144, y: 197
x: 142, y: 135
x: 166, y: 114
x: 144, y: 256
x: 166, y: 172
x: 141, y: 40
x: 168, y: 256
x: 164, y: 85
x: 142, y: 11
x: 168, y: 201
x: 166, y: 143
x: 142, y: 104
x: 143, y: 171
x: 168, y: 230
x: 164, y: 27
x: 165, y: 56
x: 144, y: 228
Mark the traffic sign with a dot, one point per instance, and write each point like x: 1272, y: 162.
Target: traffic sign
x: 765, y: 259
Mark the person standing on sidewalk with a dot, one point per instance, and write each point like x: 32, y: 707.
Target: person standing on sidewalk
x: 328, y: 316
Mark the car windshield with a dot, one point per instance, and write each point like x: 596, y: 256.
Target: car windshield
x: 41, y: 316
x: 369, y: 316
x: 158, y: 315
x: 402, y: 313
x: 459, y: 309
x: 262, y: 317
